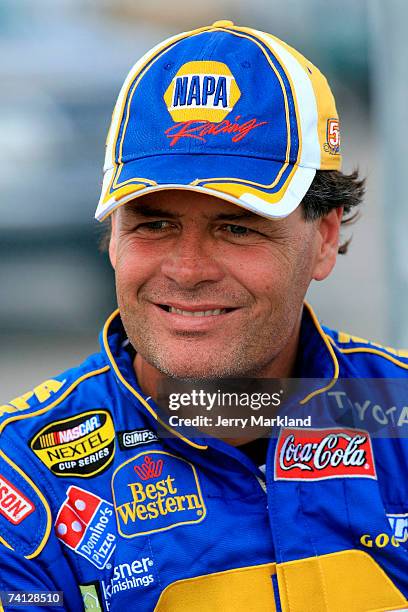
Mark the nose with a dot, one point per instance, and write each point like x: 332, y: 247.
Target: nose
x: 192, y: 260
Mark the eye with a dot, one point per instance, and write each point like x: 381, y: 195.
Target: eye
x: 155, y: 226
x: 237, y: 230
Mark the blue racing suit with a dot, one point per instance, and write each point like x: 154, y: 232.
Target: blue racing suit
x: 94, y: 502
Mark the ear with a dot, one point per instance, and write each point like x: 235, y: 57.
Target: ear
x: 328, y: 228
x: 112, y: 241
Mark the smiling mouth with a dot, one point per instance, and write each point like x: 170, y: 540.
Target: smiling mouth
x: 195, y: 313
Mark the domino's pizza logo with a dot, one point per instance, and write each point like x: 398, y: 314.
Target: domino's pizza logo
x: 86, y: 524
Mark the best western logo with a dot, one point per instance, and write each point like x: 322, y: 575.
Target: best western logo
x: 82, y: 445
x: 155, y: 492
x: 202, y: 90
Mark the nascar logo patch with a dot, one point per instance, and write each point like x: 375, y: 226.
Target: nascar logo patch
x: 154, y: 492
x: 318, y: 454
x: 82, y: 445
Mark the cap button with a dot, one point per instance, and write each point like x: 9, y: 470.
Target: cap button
x: 223, y: 23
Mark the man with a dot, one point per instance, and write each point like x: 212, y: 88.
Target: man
x: 223, y: 189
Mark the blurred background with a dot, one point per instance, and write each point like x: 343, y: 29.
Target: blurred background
x: 62, y: 66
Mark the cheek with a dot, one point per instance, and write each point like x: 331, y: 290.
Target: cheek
x: 134, y: 266
x: 272, y: 272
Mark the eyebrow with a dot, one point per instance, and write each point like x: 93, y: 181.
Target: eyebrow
x: 146, y: 210
x: 234, y: 216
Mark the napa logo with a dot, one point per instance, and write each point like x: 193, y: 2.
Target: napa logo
x: 154, y: 492
x: 202, y: 91
x: 39, y: 394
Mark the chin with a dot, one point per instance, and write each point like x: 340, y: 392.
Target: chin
x: 192, y: 360
x: 191, y: 369
x: 189, y: 372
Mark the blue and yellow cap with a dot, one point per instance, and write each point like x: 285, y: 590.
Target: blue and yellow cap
x: 224, y: 110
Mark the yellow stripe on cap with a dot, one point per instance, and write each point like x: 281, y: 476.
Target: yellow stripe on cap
x: 325, y: 105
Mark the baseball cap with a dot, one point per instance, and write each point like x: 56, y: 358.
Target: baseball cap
x: 224, y: 110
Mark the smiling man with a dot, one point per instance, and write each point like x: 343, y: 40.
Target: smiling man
x: 224, y: 199
x: 209, y: 290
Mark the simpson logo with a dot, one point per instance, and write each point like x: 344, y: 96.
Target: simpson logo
x: 13, y: 504
x: 399, y: 526
x: 82, y: 445
x: 317, y: 454
x: 154, y: 492
x: 202, y: 90
x: 137, y: 437
x: 86, y: 524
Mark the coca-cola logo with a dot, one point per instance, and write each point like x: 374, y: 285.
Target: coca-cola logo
x: 316, y: 454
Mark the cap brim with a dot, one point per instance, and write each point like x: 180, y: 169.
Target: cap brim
x: 269, y: 188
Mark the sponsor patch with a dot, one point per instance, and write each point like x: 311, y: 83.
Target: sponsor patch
x: 136, y: 437
x: 86, y: 524
x: 380, y: 540
x: 90, y: 596
x: 399, y: 526
x: 199, y: 98
x: 154, y: 492
x: 332, y: 145
x: 202, y: 90
x: 39, y: 394
x: 136, y: 574
x: 317, y: 454
x: 82, y: 445
x: 14, y: 505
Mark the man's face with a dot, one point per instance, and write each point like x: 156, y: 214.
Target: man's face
x: 207, y: 289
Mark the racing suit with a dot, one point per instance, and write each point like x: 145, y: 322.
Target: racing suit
x: 95, y: 503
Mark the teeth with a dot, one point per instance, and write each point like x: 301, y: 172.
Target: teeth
x: 198, y: 313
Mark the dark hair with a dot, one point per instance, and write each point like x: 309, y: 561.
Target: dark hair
x: 329, y: 189
x: 333, y: 189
